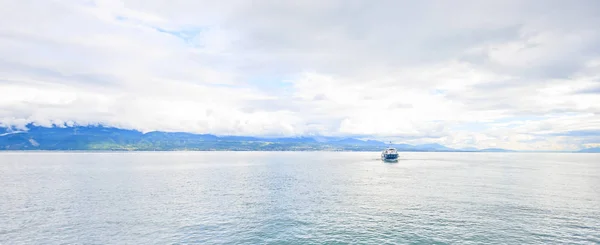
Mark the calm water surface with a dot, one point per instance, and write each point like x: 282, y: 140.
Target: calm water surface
x: 299, y: 198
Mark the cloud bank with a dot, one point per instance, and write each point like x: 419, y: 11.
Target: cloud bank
x: 514, y: 74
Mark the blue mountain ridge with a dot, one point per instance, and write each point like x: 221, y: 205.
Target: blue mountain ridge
x: 590, y: 150
x: 115, y: 139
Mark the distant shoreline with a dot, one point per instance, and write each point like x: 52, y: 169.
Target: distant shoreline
x: 331, y: 151
x: 110, y: 139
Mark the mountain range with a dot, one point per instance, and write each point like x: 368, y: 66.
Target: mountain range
x: 115, y: 139
x: 591, y: 150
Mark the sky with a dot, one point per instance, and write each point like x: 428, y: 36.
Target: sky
x: 521, y: 75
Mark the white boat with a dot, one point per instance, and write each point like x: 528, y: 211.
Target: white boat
x: 389, y: 154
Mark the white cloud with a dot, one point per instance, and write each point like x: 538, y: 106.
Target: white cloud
x: 509, y: 74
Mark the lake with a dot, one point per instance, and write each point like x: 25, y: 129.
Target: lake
x: 298, y: 198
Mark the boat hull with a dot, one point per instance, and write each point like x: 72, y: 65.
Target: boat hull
x: 389, y: 157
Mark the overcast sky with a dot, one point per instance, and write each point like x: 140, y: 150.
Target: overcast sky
x: 513, y: 74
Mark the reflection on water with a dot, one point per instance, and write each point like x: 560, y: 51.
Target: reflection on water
x: 298, y: 197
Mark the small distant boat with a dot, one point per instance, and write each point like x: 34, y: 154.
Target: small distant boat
x: 389, y: 154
